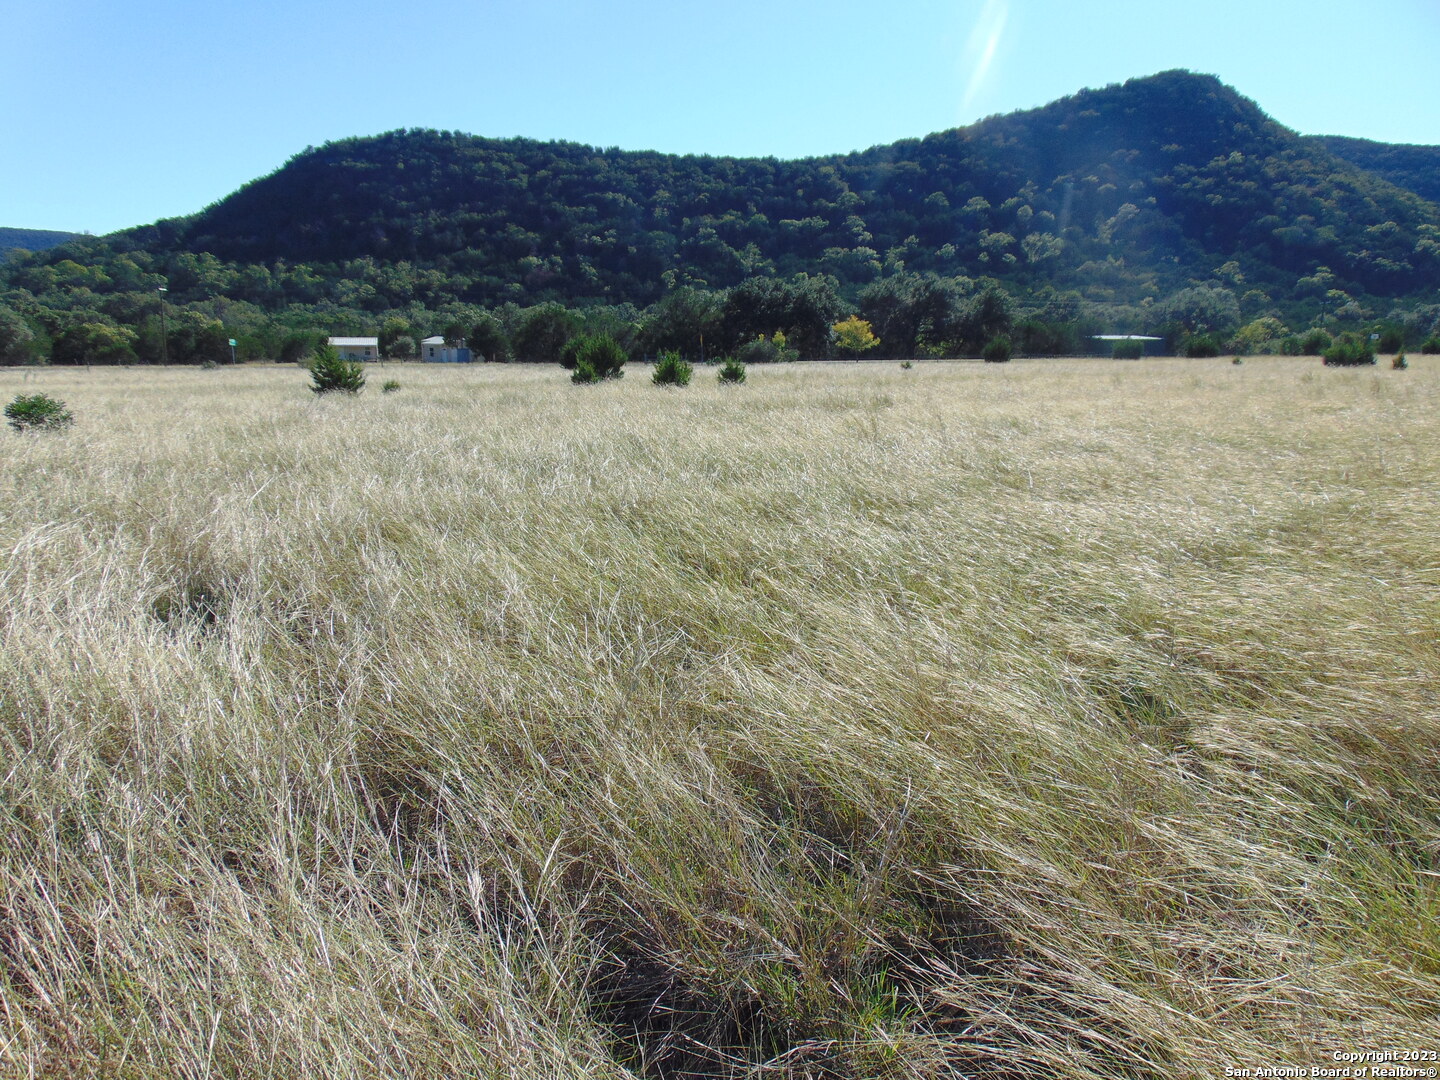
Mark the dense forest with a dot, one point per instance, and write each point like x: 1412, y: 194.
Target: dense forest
x: 1167, y: 205
x: 1416, y: 168
x: 22, y: 240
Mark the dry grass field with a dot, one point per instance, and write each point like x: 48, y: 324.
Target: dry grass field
x: 1069, y: 719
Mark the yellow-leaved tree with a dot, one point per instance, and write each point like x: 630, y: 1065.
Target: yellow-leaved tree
x: 853, y: 336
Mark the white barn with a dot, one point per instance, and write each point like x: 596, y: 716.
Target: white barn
x: 362, y: 349
x: 433, y: 350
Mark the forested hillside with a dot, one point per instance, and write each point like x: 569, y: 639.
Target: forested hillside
x: 1169, y: 204
x: 1415, y: 168
x: 12, y: 240
x: 1157, y: 179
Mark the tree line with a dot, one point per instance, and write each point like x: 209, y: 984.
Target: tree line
x: 904, y: 315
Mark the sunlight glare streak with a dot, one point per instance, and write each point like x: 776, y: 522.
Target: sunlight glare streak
x: 981, y: 47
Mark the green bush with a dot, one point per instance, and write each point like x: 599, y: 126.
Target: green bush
x: 672, y: 371
x: 1400, y: 363
x: 1351, y: 350
x: 759, y: 351
x: 1392, y: 339
x: 1431, y: 346
x: 570, y: 353
x: 94, y: 343
x: 731, y: 371
x: 765, y: 350
x: 1128, y: 350
x: 1315, y: 343
x: 38, y: 412
x: 997, y: 350
x: 391, y: 385
x: 1237, y: 360
x: 600, y: 355
x: 906, y: 365
x: 1291, y: 346
x: 1198, y: 345
x: 330, y: 374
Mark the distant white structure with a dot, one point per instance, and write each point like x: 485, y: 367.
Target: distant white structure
x: 362, y: 349
x: 433, y: 350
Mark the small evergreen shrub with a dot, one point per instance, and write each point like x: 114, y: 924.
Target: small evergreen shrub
x: 1238, y: 360
x: 1351, y: 350
x: 1400, y: 363
x: 601, y: 355
x: 731, y: 371
x: 997, y: 350
x: 391, y: 385
x: 570, y: 353
x: 584, y: 373
x: 1128, y: 350
x: 906, y: 365
x: 1199, y: 345
x: 1392, y: 339
x: 672, y: 371
x: 330, y: 374
x: 1431, y: 346
x: 1315, y: 343
x: 38, y: 412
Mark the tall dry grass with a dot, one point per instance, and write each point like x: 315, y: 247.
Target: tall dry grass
x: 1070, y: 719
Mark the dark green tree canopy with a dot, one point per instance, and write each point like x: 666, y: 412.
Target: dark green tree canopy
x: 802, y: 309
x: 544, y: 332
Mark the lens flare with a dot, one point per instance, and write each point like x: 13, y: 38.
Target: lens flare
x: 981, y: 47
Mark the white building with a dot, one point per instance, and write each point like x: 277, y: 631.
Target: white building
x: 433, y: 350
x: 362, y: 349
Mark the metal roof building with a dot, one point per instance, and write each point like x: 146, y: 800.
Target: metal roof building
x: 357, y: 348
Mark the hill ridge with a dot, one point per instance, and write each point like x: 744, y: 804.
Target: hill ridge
x: 573, y: 221
x: 1125, y: 195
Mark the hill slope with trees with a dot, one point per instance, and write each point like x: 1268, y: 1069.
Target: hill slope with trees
x: 1145, y: 201
x: 13, y: 240
x: 1159, y: 180
x: 1415, y: 168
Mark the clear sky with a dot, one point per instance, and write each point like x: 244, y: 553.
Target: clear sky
x: 117, y: 113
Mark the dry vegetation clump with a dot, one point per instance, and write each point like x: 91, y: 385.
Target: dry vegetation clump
x: 1042, y: 720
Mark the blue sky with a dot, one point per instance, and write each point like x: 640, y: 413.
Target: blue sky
x: 116, y: 113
